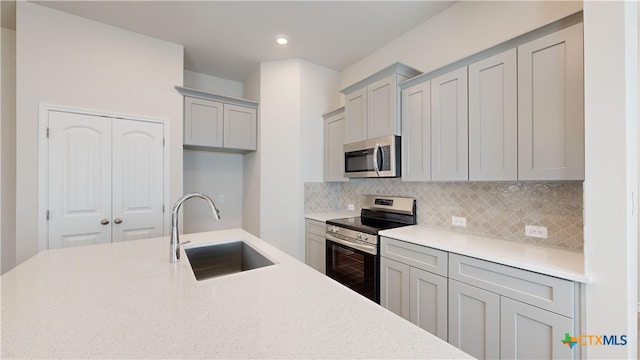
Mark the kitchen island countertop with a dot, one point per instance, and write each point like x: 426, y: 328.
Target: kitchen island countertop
x: 126, y: 300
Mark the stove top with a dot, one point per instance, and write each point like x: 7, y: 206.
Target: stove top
x: 380, y: 213
x: 365, y: 225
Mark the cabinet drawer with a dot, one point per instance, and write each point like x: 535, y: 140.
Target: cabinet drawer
x: 543, y: 291
x: 315, y: 227
x: 422, y: 257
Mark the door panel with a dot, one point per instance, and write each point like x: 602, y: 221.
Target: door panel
x: 105, y: 179
x: 394, y: 286
x: 203, y: 124
x: 79, y: 179
x: 137, y: 179
x: 528, y: 332
x: 493, y: 118
x: 474, y: 320
x: 239, y: 127
x: 449, y: 127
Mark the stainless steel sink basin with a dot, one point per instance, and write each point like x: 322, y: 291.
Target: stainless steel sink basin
x: 223, y: 259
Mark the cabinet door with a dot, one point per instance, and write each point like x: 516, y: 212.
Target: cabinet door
x: 449, y: 126
x: 356, y: 116
x: 382, y: 99
x: 474, y: 320
x: 138, y: 186
x: 428, y: 302
x: 240, y: 125
x: 394, y: 286
x: 551, y: 107
x: 203, y: 122
x: 315, y: 252
x: 334, y: 129
x: 493, y: 118
x: 528, y: 332
x: 416, y: 132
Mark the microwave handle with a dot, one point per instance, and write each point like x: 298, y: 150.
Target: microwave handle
x: 375, y: 158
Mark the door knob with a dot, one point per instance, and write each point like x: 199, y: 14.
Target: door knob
x: 117, y: 221
x: 104, y: 221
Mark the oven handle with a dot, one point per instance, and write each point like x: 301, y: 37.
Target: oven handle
x: 369, y: 249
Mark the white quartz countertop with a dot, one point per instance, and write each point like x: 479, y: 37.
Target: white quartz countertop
x: 126, y: 300
x: 549, y: 261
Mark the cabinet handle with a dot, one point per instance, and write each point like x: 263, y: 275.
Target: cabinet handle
x: 117, y: 221
x: 104, y: 221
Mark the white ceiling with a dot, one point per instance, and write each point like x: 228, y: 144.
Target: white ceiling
x: 228, y: 39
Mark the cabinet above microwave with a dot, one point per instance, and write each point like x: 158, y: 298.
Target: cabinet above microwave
x: 372, y: 105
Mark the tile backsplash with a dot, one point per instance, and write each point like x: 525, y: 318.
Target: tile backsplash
x: 497, y: 209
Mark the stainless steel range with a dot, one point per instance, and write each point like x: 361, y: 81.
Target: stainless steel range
x: 352, y: 243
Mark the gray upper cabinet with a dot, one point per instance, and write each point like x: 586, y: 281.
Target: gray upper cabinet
x: 449, y: 126
x: 416, y: 132
x: 493, y: 118
x: 551, y: 107
x: 512, y: 112
x: 203, y: 122
x: 382, y: 108
x: 334, y: 133
x: 219, y: 123
x: 239, y: 127
x: 356, y: 112
x: 372, y: 105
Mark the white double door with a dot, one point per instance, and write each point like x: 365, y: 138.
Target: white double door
x: 105, y: 179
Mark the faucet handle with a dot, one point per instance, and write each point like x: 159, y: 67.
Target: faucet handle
x: 182, y: 243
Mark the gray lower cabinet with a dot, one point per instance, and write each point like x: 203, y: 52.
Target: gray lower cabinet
x: 488, y: 310
x: 412, y: 284
x: 474, y: 320
x: 496, y: 311
x: 530, y: 332
x: 428, y: 301
x: 315, y: 249
x: 394, y: 286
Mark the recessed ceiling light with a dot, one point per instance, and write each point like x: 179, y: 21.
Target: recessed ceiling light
x: 282, y: 40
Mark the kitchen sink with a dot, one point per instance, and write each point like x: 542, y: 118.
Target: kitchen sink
x: 223, y: 259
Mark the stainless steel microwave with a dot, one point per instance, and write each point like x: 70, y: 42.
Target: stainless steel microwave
x: 378, y: 157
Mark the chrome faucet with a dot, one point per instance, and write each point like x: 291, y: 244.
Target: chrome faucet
x: 175, y: 239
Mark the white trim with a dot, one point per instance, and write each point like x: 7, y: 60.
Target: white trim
x: 43, y: 163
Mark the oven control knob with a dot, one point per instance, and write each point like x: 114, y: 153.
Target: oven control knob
x: 359, y: 236
x: 363, y: 237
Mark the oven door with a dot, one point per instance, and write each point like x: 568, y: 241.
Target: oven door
x: 354, y: 268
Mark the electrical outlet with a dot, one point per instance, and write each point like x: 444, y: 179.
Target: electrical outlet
x: 351, y: 207
x: 535, y: 231
x: 459, y: 221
